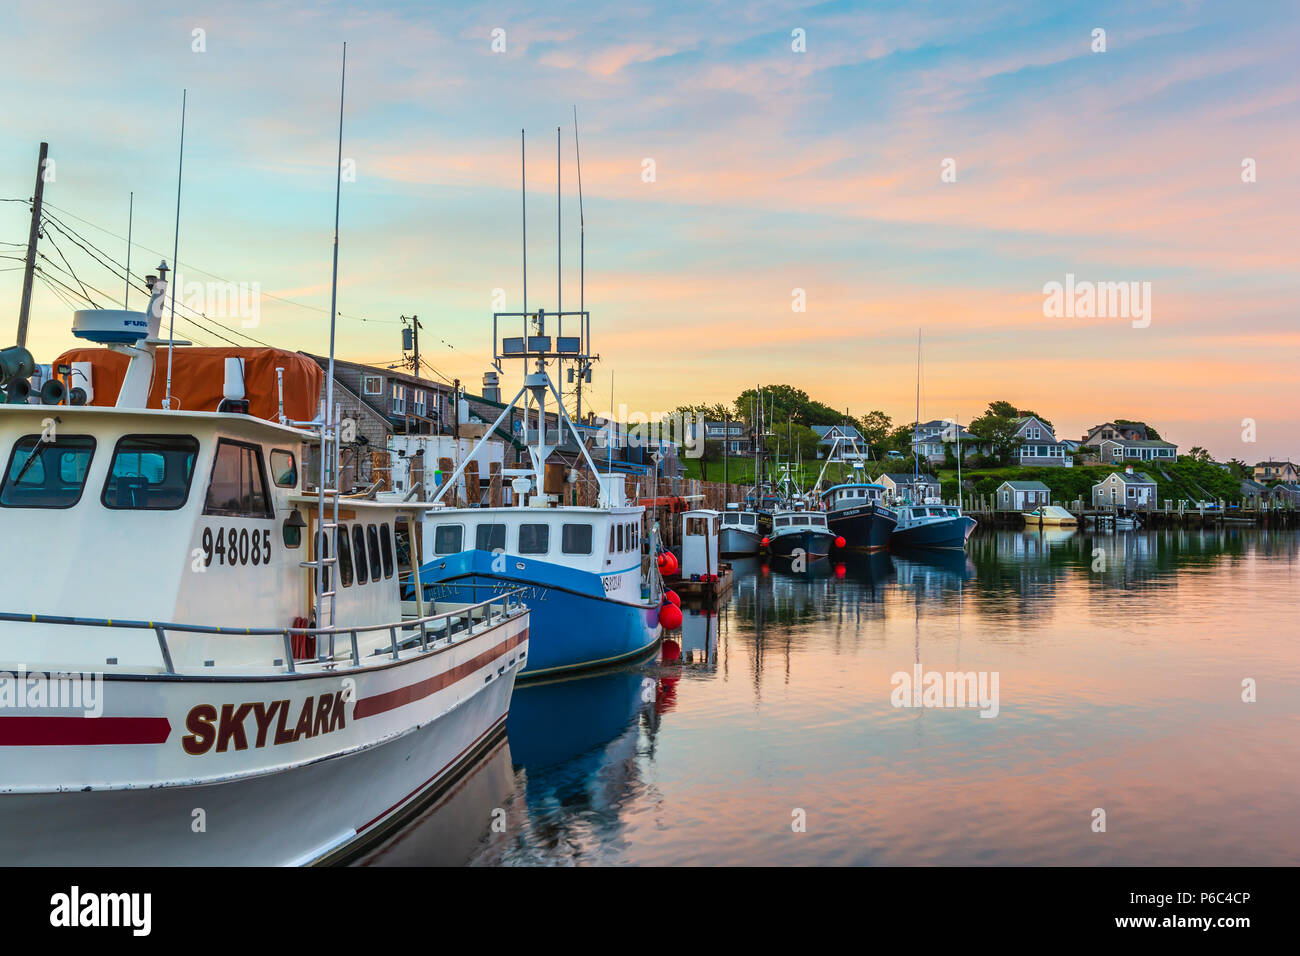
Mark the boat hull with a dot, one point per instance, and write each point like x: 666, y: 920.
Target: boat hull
x: 864, y: 529
x: 941, y: 533
x: 265, y: 795
x: 737, y: 542
x: 571, y: 627
x: 813, y: 544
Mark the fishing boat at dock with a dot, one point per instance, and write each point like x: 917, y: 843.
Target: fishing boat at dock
x: 239, y: 639
x: 856, y: 513
x: 584, y: 571
x: 741, y: 534
x: 930, y: 526
x: 805, y: 533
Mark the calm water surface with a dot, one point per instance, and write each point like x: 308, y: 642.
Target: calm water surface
x: 1120, y: 662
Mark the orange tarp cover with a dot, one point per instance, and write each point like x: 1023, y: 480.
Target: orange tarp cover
x: 199, y: 376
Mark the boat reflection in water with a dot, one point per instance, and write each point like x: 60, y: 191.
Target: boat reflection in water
x: 916, y: 564
x: 453, y: 829
x: 576, y: 744
x: 699, y: 637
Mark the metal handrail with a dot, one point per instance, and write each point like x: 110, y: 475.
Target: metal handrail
x: 510, y: 602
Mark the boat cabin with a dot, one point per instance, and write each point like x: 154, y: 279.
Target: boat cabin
x: 853, y: 495
x: 744, y: 520
x: 785, y: 521
x: 196, y: 518
x: 700, y: 532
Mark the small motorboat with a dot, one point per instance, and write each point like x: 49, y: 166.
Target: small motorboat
x: 1049, y: 516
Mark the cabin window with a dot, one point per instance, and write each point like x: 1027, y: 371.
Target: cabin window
x: 747, y: 519
x: 47, y: 474
x: 151, y: 472
x: 801, y: 520
x: 620, y: 537
x: 238, y: 483
x: 345, y: 557
x: 490, y: 537
x: 448, y: 539
x: 359, y: 553
x: 376, y: 561
x: 575, y: 539
x: 781, y: 522
x: 386, y: 542
x: 534, y: 538
x: 284, y: 469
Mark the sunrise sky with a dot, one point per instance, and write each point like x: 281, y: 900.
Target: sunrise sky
x: 774, y: 170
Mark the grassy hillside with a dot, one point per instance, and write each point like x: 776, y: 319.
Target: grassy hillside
x: 1193, y: 480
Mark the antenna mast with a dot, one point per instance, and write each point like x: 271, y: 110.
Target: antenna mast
x: 176, y: 245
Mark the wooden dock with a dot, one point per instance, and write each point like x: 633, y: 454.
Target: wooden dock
x: 1170, y: 514
x: 703, y: 592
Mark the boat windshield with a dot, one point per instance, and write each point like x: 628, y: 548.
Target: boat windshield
x: 47, y: 474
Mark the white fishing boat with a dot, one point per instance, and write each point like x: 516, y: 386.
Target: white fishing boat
x: 188, y: 678
x: 741, y: 534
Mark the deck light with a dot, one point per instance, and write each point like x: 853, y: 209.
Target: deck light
x: 293, y: 526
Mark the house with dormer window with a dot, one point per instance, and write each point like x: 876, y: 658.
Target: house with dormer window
x: 1038, y: 445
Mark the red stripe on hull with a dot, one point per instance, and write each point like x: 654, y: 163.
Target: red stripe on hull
x: 391, y: 700
x: 82, y: 731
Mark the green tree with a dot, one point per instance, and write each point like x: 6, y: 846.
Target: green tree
x: 875, y: 427
x: 998, y: 430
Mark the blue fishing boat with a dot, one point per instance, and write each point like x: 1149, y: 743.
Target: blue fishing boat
x: 595, y: 598
x: 855, y: 511
x: 588, y: 571
x: 930, y: 526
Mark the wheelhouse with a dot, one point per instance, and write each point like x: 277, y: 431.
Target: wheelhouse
x: 165, y: 517
x: 855, y: 495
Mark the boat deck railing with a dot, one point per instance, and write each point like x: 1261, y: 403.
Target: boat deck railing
x: 432, y: 632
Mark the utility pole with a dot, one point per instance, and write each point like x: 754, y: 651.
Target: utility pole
x: 455, y: 409
x: 24, y: 311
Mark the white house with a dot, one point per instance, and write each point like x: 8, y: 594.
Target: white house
x: 1112, y: 450
x: 901, y: 487
x: 1022, y: 495
x: 1038, y: 444
x: 1125, y: 489
x: 930, y: 439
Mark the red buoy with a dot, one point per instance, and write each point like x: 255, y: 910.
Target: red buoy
x: 670, y: 616
x: 670, y: 566
x: 670, y: 597
x: 840, y: 542
x: 766, y: 541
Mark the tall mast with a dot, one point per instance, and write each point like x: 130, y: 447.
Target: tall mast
x: 916, y: 425
x: 176, y: 245
x: 523, y: 203
x: 130, y: 222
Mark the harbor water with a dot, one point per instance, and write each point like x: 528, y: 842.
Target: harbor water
x: 1135, y: 700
